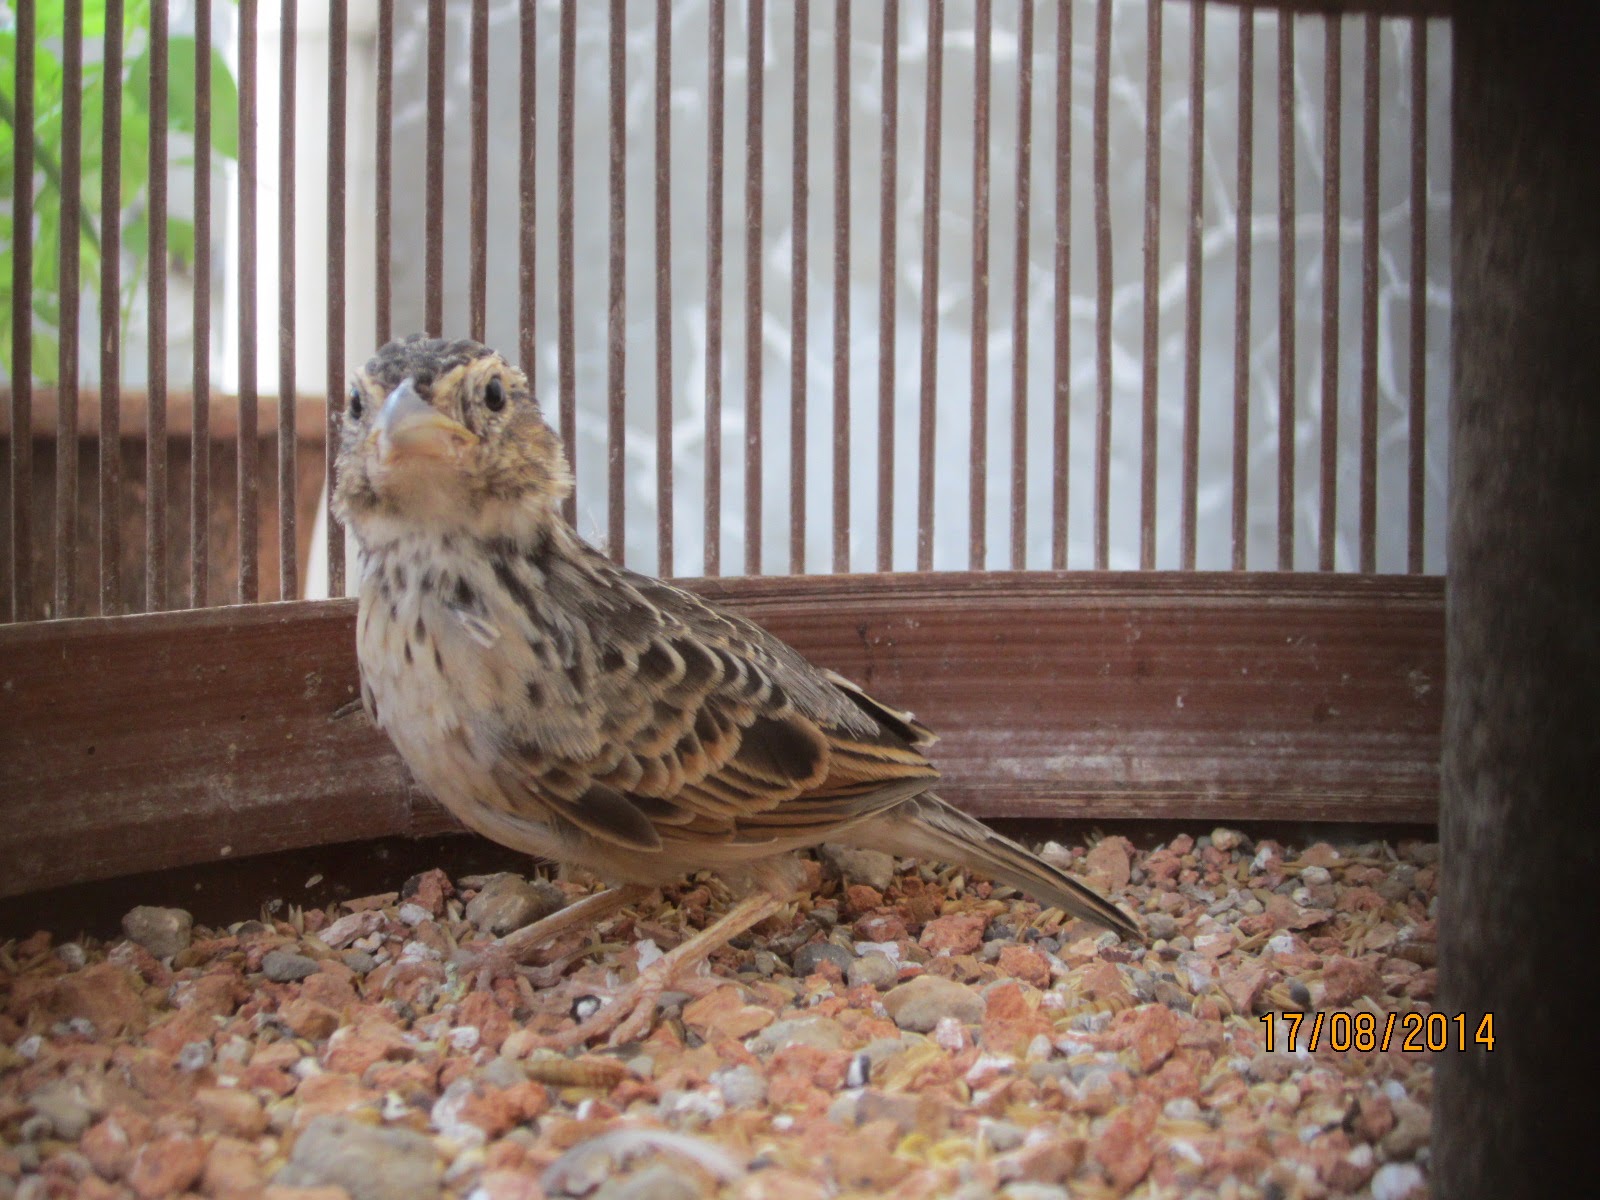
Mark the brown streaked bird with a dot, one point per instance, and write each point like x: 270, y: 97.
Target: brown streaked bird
x: 563, y: 705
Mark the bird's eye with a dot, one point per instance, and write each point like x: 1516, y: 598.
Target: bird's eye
x: 494, y: 396
x: 354, y: 407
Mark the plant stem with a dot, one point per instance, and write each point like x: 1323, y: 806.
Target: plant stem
x: 49, y: 168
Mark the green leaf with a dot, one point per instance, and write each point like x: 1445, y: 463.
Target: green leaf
x: 46, y: 356
x: 135, y: 154
x: 181, y: 93
x: 180, y: 241
x: 224, y: 106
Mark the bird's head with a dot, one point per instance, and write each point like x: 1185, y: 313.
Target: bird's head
x: 445, y: 435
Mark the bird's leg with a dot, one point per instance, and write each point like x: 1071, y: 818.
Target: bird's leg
x: 502, y: 955
x: 628, y: 1014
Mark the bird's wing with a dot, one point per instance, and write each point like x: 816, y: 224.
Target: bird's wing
x: 703, y: 726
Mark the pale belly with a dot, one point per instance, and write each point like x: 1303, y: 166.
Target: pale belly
x: 436, y: 691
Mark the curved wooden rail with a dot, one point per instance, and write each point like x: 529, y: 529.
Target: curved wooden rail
x: 140, y: 743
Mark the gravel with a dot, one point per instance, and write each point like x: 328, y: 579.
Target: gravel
x: 974, y: 1045
x: 162, y: 931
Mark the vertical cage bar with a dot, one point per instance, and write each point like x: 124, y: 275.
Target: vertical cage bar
x: 1061, y: 416
x: 110, y: 318
x: 70, y: 248
x: 1102, y: 306
x: 1368, y: 510
x: 478, y: 226
x: 664, y: 287
x: 22, y: 321
x: 756, y: 68
x: 433, y: 184
x: 1190, y: 481
x: 1244, y: 239
x: 200, y: 432
x: 155, y: 577
x: 978, y: 481
x: 527, y: 185
x: 289, y: 588
x: 248, y: 443
x: 1019, y: 293
x: 616, y: 294
x: 888, y: 238
x: 841, y: 285
x: 1327, y: 523
x: 566, y: 337
x: 1152, y: 285
x: 1416, y: 438
x: 1286, y: 285
x: 930, y: 286
x: 383, y: 184
x: 715, y: 154
x: 799, y: 246
x: 337, y: 73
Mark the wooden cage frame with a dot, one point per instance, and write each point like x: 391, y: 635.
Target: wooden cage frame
x: 137, y: 743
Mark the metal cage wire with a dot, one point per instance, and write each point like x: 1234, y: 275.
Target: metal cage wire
x: 884, y: 506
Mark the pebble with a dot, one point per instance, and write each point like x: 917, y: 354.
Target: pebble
x: 162, y: 931
x: 413, y: 914
x: 1226, y: 839
x: 358, y: 961
x: 741, y: 1087
x: 921, y: 1003
x: 1161, y: 926
x: 507, y: 902
x: 370, y: 1164
x: 1398, y: 1181
x: 167, y: 1166
x: 64, y: 1106
x: 655, y: 1182
x: 813, y: 954
x: 872, y: 970
x: 284, y: 966
x: 870, y: 867
x: 823, y: 1033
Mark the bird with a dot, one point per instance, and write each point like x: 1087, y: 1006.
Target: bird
x: 563, y: 705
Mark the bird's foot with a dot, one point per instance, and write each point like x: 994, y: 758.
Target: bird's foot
x: 626, y: 1017
x: 505, y: 956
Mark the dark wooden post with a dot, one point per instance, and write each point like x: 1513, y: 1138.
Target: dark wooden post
x: 1521, y: 773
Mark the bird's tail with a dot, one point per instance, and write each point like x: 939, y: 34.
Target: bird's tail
x: 926, y: 827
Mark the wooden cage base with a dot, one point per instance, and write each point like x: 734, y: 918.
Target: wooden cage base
x: 142, y: 743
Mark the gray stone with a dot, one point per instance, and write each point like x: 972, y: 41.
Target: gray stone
x: 871, y: 867
x: 1024, y: 1189
x: 822, y: 1032
x: 1398, y: 1181
x: 872, y: 970
x: 1000, y: 1136
x: 162, y: 931
x: 921, y: 1003
x: 1225, y: 839
x: 64, y: 1107
x: 369, y: 1163
x: 655, y: 1182
x: 358, y: 961
x: 1412, y: 1130
x: 284, y: 966
x: 812, y: 955
x: 507, y: 902
x: 741, y: 1087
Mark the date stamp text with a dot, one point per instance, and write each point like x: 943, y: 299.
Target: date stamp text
x: 1411, y: 1033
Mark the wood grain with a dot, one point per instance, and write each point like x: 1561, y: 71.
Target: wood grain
x: 135, y: 743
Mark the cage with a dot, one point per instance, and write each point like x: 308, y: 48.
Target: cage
x: 1073, y: 372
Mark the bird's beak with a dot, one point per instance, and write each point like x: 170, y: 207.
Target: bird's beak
x: 410, y: 427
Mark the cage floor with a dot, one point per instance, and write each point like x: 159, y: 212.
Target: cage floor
x: 897, y: 1031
